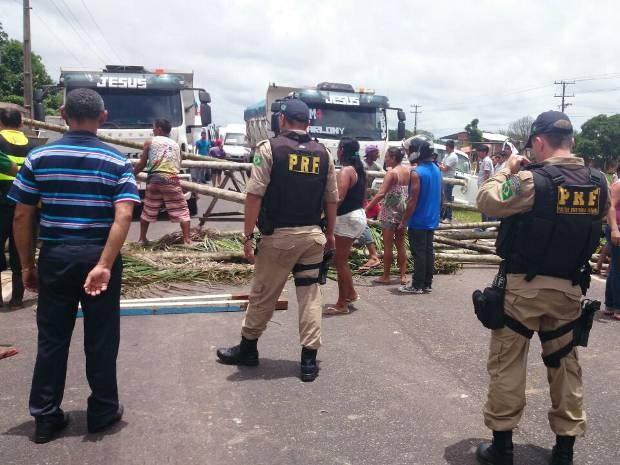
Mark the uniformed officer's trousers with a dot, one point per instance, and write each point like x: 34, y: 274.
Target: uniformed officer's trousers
x: 543, y: 309
x: 62, y: 272
x: 277, y: 255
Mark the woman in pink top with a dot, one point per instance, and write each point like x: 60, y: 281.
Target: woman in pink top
x: 393, y: 197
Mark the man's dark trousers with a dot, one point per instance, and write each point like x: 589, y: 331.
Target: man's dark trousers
x: 62, y: 271
x: 421, y: 246
x: 446, y: 212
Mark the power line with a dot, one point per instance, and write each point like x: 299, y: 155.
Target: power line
x: 564, y: 104
x: 103, y: 60
x: 101, y: 31
x: 59, y: 39
x: 86, y: 33
x: 77, y: 21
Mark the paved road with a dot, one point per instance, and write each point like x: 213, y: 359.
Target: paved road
x: 402, y: 381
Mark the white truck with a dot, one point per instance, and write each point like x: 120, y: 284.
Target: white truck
x: 135, y: 96
x: 336, y: 110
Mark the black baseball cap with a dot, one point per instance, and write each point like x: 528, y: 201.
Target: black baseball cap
x: 550, y: 122
x: 295, y: 109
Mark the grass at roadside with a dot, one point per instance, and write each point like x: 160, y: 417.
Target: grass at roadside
x: 463, y: 216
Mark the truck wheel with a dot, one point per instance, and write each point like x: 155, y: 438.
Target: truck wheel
x: 192, y: 205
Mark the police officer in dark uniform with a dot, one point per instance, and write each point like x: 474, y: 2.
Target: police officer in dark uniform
x: 291, y: 188
x: 15, y: 145
x: 552, y: 213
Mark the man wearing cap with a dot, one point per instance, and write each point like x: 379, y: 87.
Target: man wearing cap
x: 291, y: 187
x: 551, y: 221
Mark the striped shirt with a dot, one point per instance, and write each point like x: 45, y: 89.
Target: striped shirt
x: 77, y: 179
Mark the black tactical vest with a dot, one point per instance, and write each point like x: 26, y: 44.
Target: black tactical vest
x: 295, y: 193
x: 563, y: 229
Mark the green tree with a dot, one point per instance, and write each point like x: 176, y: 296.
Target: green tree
x: 12, y: 72
x: 599, y: 140
x: 474, y: 134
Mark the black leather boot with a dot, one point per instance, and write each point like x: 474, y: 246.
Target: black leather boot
x: 562, y: 453
x: 243, y: 354
x: 309, y: 369
x: 498, y: 452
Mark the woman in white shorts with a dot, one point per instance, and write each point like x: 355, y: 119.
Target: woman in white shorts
x: 350, y: 222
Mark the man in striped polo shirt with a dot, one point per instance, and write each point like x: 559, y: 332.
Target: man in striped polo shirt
x: 87, y: 192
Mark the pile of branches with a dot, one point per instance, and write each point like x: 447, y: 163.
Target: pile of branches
x: 217, y: 257
x: 213, y: 258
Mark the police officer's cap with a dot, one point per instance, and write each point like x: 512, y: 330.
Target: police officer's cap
x: 550, y: 122
x: 295, y: 109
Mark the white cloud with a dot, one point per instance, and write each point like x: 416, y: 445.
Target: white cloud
x: 492, y: 60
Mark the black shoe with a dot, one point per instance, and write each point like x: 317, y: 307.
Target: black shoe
x: 562, y: 453
x: 115, y: 419
x: 427, y: 289
x: 499, y: 452
x: 243, y: 354
x: 46, y: 430
x: 309, y: 368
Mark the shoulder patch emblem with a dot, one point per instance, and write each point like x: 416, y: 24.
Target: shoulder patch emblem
x: 507, y: 189
x: 257, y: 160
x: 510, y: 187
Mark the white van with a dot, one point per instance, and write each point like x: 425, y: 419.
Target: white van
x: 235, y: 142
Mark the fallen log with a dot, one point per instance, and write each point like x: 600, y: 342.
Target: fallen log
x: 463, y: 245
x: 468, y: 258
x: 453, y: 181
x: 479, y: 225
x: 471, y: 235
x: 111, y: 140
x: 460, y: 206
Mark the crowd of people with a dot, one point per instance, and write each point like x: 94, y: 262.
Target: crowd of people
x: 305, y: 209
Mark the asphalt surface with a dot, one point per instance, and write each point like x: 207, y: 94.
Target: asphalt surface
x: 403, y: 380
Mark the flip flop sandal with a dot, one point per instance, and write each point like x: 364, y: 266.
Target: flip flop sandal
x: 333, y: 310
x: 354, y: 299
x: 368, y: 267
x: 381, y: 283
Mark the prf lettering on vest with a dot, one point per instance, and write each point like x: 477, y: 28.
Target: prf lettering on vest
x: 304, y: 163
x: 578, y: 200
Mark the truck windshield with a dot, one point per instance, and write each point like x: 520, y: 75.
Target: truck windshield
x: 132, y: 108
x: 361, y: 123
x: 235, y: 139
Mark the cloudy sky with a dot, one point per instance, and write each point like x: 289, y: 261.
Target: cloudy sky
x: 492, y: 60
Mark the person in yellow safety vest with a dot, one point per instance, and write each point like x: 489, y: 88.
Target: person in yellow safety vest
x: 7, y: 167
x: 15, y: 146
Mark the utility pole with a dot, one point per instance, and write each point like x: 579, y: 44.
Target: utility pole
x: 27, y: 59
x: 415, y: 113
x: 564, y: 103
